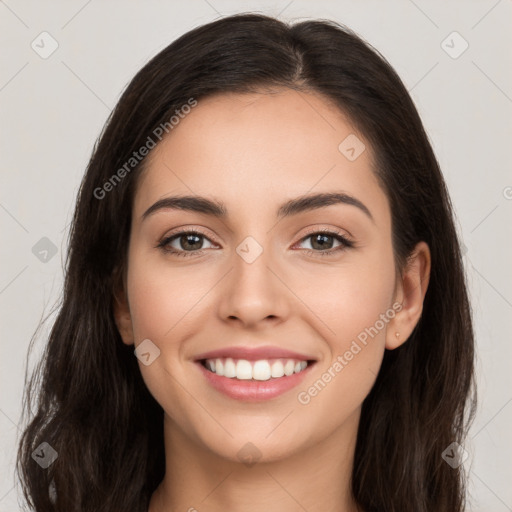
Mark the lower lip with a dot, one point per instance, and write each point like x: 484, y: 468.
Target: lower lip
x: 254, y: 390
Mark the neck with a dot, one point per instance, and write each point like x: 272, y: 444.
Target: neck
x: 316, y: 479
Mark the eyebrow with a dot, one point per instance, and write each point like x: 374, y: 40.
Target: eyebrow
x: 295, y: 206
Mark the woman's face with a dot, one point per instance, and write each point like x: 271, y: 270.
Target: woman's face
x: 260, y: 276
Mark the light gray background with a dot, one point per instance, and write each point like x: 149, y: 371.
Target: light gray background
x: 53, y: 109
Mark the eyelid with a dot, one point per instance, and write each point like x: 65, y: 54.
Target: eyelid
x: 346, y: 241
x: 344, y: 234
x: 176, y: 234
x: 194, y: 230
x: 315, y: 229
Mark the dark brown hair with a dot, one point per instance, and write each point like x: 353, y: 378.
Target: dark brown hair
x: 91, y: 404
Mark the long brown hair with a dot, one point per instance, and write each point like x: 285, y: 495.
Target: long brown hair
x: 91, y: 404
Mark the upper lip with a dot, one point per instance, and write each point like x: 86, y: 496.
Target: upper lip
x: 253, y: 353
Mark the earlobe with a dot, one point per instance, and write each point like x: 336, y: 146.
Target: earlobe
x: 411, y: 292
x: 122, y: 316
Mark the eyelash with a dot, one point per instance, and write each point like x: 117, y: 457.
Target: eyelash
x: 345, y: 242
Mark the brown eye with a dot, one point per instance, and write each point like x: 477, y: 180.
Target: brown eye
x: 324, y: 242
x: 184, y: 242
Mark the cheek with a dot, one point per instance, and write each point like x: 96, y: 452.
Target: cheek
x: 161, y: 298
x: 349, y: 298
x: 355, y: 306
x: 163, y: 302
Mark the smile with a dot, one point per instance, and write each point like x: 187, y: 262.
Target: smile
x: 261, y: 370
x: 254, y: 381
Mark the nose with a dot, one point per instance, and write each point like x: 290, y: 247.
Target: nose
x: 253, y: 294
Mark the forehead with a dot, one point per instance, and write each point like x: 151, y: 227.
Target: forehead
x: 258, y: 148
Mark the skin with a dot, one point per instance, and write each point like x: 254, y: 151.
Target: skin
x: 253, y: 152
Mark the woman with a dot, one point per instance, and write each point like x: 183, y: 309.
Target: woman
x: 264, y: 303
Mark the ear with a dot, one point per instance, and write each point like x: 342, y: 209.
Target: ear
x: 410, y: 292
x: 122, y: 316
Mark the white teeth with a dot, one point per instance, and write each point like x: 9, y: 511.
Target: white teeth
x: 255, y: 370
x: 261, y: 370
x: 289, y: 367
x: 278, y: 369
x: 243, y: 370
x: 229, y: 368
